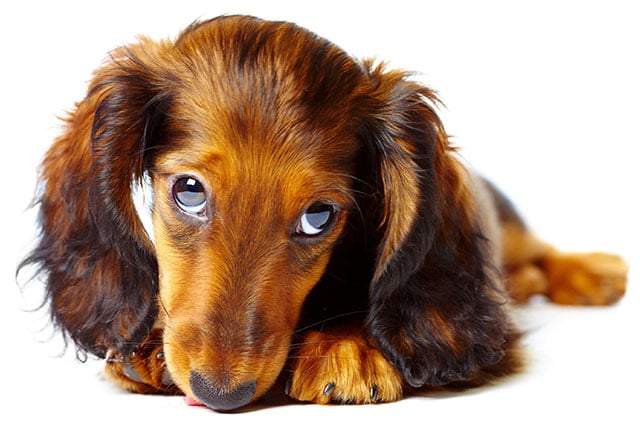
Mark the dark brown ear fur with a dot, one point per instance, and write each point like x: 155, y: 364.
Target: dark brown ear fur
x: 93, y: 254
x: 435, y: 308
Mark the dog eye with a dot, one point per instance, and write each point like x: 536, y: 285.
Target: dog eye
x: 315, y: 219
x: 190, y: 195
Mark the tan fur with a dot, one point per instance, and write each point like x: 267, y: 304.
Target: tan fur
x: 341, y: 366
x: 271, y: 121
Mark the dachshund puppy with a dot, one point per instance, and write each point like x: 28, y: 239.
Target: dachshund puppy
x: 311, y: 224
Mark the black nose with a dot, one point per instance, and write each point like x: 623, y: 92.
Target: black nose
x: 218, y: 398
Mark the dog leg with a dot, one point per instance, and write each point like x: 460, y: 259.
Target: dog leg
x: 534, y: 267
x: 585, y: 278
x: 340, y: 366
x: 144, y: 369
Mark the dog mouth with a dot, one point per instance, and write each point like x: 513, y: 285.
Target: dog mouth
x: 225, y: 378
x: 219, y: 378
x: 225, y: 396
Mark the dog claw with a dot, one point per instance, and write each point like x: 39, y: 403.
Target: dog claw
x: 328, y: 389
x: 287, y: 385
x: 131, y: 373
x: 373, y: 392
x: 166, y: 379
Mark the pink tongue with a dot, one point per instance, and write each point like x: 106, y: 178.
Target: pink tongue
x: 190, y: 401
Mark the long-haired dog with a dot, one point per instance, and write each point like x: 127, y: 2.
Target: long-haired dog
x: 310, y: 223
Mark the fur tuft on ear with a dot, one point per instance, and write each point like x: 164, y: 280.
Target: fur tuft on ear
x: 435, y: 308
x: 405, y: 134
x: 93, y: 254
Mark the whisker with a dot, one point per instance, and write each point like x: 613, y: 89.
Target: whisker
x: 164, y: 308
x: 317, y: 357
x: 328, y: 319
x: 297, y: 345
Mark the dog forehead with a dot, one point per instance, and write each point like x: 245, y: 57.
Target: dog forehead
x: 301, y: 168
x: 264, y: 101
x: 262, y: 75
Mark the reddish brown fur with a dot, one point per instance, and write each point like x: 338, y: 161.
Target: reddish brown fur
x: 404, y: 288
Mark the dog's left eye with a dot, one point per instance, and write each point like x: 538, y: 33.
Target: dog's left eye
x: 190, y: 195
x: 315, y: 219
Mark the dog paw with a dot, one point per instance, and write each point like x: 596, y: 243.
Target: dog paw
x: 144, y: 369
x: 587, y: 279
x: 341, y: 368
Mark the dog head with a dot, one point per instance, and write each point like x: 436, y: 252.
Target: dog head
x: 260, y: 141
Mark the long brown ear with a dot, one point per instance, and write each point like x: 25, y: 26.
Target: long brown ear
x: 434, y: 308
x: 93, y: 254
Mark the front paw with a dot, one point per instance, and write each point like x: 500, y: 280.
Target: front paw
x: 341, y: 368
x: 144, y: 369
x: 438, y: 349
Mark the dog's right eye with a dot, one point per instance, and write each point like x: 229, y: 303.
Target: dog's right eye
x: 315, y: 219
x: 190, y: 195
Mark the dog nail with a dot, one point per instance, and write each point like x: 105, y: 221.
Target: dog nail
x: 131, y: 373
x: 373, y: 392
x: 328, y: 389
x: 166, y: 379
x: 287, y: 386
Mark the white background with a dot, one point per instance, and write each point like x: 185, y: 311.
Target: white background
x: 543, y: 97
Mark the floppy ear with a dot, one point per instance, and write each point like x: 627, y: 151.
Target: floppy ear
x: 93, y: 254
x: 434, y: 310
